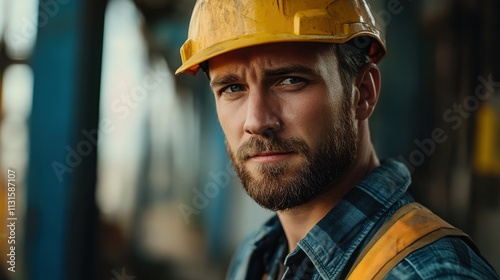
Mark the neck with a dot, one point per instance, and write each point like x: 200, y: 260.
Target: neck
x: 297, y: 222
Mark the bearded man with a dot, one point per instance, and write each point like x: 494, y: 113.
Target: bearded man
x: 295, y: 83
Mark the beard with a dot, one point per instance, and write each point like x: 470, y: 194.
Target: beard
x: 281, y: 185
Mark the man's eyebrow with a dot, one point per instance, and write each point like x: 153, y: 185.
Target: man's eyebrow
x: 285, y: 70
x: 224, y: 80
x: 290, y: 69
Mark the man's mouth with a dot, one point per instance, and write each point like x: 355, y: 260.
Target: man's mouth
x: 266, y: 157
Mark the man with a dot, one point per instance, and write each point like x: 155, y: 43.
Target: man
x: 295, y: 83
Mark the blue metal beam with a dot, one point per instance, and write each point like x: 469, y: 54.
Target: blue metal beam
x: 61, y: 211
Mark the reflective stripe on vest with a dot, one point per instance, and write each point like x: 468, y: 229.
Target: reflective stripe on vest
x: 409, y: 229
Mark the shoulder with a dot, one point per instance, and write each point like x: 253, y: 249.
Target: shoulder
x: 447, y: 258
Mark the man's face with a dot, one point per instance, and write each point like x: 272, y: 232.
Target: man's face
x: 288, y: 121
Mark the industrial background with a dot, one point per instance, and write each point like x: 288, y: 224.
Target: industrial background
x: 120, y: 167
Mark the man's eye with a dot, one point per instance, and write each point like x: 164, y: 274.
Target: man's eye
x: 232, y: 89
x: 291, y: 80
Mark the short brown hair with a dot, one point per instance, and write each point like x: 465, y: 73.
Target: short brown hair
x: 352, y: 56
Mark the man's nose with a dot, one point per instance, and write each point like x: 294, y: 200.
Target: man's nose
x: 262, y: 115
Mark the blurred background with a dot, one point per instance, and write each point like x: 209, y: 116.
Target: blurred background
x: 120, y: 167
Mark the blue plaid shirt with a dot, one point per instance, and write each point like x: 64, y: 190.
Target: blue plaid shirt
x: 331, y: 247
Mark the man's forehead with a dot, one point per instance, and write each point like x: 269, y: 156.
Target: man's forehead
x: 273, y: 55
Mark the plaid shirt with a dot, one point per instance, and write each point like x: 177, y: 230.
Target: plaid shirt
x: 331, y: 247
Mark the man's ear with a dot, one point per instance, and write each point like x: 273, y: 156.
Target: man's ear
x: 367, y: 89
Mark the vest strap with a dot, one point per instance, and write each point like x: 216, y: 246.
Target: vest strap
x: 412, y: 227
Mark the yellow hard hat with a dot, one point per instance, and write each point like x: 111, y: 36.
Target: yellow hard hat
x: 220, y: 26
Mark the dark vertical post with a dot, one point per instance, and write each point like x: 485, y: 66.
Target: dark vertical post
x: 61, y: 215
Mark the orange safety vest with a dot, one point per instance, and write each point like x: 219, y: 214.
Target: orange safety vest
x: 409, y: 229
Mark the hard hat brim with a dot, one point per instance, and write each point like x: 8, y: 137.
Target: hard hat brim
x: 192, y: 65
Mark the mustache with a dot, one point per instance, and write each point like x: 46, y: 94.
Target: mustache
x: 273, y: 145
